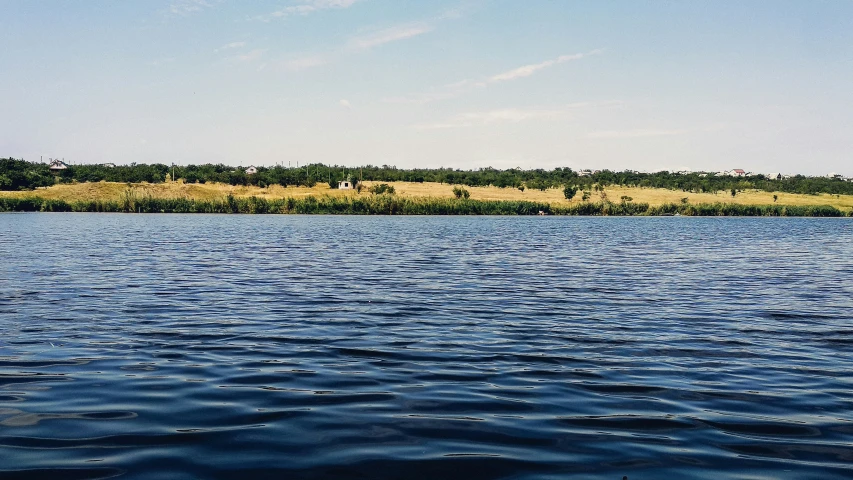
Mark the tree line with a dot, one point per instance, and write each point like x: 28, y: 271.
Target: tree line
x: 24, y: 175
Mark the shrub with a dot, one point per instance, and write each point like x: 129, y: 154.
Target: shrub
x: 569, y: 191
x: 382, y: 188
x: 460, y: 192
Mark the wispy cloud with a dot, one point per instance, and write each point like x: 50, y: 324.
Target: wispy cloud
x: 528, y: 70
x: 306, y: 7
x: 162, y: 61
x: 456, y: 89
x: 513, y: 115
x: 187, y: 7
x: 637, y: 133
x: 362, y: 42
x: 444, y: 92
x: 294, y: 64
x: 345, y: 103
x: 388, y: 35
x: 229, y: 46
x: 507, y: 115
x: 250, y: 56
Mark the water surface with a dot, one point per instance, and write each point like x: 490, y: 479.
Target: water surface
x: 194, y: 346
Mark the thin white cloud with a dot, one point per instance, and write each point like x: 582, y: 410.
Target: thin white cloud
x: 303, y: 63
x: 388, y: 35
x: 229, y: 46
x: 528, y: 70
x: 507, y: 115
x: 456, y: 89
x: 249, y: 56
x: 294, y: 64
x: 187, y: 7
x: 514, y: 115
x: 637, y: 133
x: 345, y: 103
x: 162, y: 61
x: 306, y: 7
x: 444, y: 92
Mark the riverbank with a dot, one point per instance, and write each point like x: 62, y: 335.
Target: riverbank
x: 412, y: 198
x: 116, y: 192
x: 398, y: 205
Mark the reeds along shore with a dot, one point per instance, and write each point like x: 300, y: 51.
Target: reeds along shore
x: 394, y: 205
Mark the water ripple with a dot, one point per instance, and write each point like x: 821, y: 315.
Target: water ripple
x: 204, y: 346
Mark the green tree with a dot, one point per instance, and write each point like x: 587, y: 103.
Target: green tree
x: 460, y: 192
x: 381, y: 188
x: 569, y: 191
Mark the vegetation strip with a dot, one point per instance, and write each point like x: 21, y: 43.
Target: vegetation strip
x: 23, y: 175
x: 386, y: 204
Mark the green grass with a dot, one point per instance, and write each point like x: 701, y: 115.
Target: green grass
x: 396, y: 205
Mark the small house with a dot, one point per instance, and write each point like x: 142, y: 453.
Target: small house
x: 774, y: 176
x: 345, y: 185
x: 737, y: 173
x: 251, y: 170
x: 109, y: 165
x: 57, y: 165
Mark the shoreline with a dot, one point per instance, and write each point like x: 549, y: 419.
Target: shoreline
x: 395, y: 205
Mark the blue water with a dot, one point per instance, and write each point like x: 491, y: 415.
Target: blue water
x: 247, y: 347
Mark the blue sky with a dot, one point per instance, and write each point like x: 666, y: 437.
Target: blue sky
x: 704, y: 85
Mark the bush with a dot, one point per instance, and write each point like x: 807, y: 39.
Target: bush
x: 460, y: 192
x: 382, y: 188
x: 569, y: 191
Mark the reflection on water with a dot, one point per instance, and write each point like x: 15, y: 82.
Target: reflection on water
x: 171, y: 346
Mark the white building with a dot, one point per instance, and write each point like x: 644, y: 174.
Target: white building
x: 251, y: 170
x: 345, y: 185
x: 774, y: 176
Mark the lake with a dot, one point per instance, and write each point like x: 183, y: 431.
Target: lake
x: 320, y: 347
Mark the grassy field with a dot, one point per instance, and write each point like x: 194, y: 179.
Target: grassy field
x: 106, y: 191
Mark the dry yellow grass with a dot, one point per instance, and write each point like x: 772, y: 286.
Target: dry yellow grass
x: 652, y: 196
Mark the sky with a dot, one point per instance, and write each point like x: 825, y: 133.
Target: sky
x: 763, y: 85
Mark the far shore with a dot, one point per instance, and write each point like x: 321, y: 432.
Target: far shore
x: 201, y: 192
x: 414, y: 199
